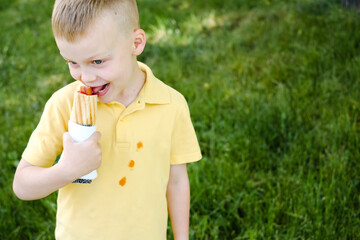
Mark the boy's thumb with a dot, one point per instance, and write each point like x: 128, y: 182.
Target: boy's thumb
x: 96, y: 136
x: 67, y: 139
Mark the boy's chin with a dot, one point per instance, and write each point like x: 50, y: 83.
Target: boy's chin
x: 105, y: 99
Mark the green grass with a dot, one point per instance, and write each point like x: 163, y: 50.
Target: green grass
x: 274, y: 91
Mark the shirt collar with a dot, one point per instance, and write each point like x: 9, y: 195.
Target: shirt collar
x: 154, y: 91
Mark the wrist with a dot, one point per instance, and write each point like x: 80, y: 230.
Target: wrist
x: 62, y: 171
x: 181, y: 237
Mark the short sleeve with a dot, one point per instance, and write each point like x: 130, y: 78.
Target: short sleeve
x: 184, y: 145
x: 46, y: 143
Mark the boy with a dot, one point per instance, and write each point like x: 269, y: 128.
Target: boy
x: 145, y: 136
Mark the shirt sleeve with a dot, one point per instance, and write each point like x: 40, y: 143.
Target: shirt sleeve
x: 184, y: 145
x: 46, y: 141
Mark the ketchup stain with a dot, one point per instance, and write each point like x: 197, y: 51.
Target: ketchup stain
x: 131, y: 163
x: 122, y: 181
x: 139, y: 146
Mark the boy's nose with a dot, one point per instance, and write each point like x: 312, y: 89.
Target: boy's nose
x: 87, y: 76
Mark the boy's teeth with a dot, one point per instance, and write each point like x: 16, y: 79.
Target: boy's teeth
x: 103, y: 89
x: 98, y: 89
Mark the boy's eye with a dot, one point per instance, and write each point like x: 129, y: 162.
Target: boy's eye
x: 97, y: 62
x: 71, y: 62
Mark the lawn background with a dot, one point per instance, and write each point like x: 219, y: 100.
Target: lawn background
x: 273, y: 88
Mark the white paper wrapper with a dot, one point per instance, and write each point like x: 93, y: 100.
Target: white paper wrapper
x: 80, y: 133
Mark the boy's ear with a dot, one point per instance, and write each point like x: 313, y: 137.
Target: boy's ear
x: 139, y: 41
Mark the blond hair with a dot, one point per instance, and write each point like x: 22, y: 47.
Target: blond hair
x: 71, y: 18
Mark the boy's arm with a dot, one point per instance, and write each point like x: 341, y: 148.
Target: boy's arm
x: 178, y: 198
x: 33, y: 182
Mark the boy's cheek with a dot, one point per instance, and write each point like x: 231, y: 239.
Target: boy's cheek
x: 75, y: 75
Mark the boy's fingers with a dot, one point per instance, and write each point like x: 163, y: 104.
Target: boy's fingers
x: 96, y: 136
x: 66, y: 138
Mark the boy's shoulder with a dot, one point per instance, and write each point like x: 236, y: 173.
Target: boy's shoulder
x: 66, y: 92
x: 169, y: 92
x: 175, y: 96
x: 64, y: 97
x: 160, y: 92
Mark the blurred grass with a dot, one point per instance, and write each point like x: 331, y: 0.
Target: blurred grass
x: 273, y: 88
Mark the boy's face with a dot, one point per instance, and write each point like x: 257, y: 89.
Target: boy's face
x: 103, y: 58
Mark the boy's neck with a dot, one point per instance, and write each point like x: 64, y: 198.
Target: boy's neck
x: 132, y: 89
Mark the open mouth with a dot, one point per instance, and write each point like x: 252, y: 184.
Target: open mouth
x: 101, y: 90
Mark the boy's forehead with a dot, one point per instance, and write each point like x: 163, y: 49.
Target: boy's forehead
x: 83, y: 49
x: 92, y: 45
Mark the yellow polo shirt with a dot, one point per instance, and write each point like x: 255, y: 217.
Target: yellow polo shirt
x: 139, y: 143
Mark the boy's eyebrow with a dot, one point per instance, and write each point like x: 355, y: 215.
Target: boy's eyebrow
x: 64, y: 57
x: 90, y: 58
x: 101, y: 57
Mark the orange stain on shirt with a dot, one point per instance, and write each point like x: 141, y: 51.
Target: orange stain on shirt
x: 139, y: 146
x: 131, y: 163
x: 122, y: 181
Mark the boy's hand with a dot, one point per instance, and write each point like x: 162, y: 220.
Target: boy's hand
x: 79, y: 159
